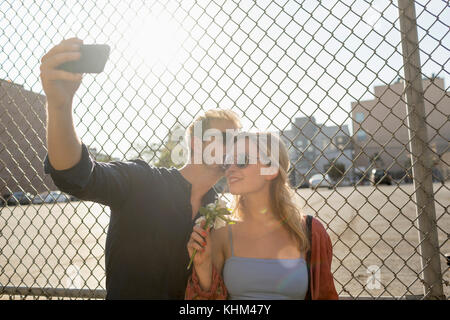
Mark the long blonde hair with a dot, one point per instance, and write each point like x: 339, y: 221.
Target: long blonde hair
x: 281, y: 194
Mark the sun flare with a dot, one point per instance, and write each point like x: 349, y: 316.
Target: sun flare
x: 156, y: 40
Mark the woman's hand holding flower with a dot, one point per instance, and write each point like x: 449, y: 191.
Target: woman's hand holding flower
x: 200, y: 244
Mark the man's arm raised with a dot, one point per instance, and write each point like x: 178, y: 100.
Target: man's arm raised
x: 68, y: 161
x: 63, y: 144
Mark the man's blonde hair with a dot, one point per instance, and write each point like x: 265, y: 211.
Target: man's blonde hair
x: 214, y: 114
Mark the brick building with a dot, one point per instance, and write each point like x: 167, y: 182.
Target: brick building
x: 380, y: 126
x: 22, y: 140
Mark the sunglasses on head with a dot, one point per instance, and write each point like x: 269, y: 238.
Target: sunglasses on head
x: 225, y: 137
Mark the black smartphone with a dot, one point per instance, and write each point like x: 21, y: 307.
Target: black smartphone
x: 93, y: 59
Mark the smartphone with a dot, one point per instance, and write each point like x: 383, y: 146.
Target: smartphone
x: 93, y: 59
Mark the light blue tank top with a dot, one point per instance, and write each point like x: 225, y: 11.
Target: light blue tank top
x: 259, y: 279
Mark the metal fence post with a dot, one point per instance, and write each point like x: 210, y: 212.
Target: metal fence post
x: 421, y: 155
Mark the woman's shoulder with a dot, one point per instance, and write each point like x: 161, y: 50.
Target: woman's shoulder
x: 317, y: 226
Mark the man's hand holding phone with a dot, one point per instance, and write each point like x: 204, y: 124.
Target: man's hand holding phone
x: 59, y: 85
x: 62, y: 68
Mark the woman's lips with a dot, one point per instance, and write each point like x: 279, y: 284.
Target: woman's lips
x: 233, y: 180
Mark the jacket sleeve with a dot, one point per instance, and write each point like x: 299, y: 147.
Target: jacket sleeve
x: 107, y: 183
x: 218, y: 291
x: 324, y: 288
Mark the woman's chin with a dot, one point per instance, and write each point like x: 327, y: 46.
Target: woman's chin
x: 232, y: 190
x: 235, y: 190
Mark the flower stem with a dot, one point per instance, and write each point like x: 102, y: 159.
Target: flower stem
x: 192, y: 259
x: 195, y: 250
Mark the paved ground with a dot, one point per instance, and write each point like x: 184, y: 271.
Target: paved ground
x: 378, y: 228
x: 369, y: 228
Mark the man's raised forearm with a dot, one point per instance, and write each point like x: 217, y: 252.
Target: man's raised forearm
x: 63, y: 144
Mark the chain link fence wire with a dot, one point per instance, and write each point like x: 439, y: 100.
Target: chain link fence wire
x: 361, y: 103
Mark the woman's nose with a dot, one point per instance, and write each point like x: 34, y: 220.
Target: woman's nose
x: 230, y: 169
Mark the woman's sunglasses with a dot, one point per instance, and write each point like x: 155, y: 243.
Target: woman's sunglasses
x: 242, y: 161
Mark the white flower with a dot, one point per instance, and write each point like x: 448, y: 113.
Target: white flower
x: 198, y: 222
x: 221, y: 203
x: 214, y: 214
x: 219, y: 223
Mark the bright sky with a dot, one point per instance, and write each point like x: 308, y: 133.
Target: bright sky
x: 169, y: 61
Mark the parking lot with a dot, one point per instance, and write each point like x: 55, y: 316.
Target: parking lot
x: 62, y: 244
x: 377, y: 227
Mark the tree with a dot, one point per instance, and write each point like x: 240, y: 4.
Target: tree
x: 147, y: 152
x: 159, y: 154
x: 99, y: 156
x: 165, y: 155
x: 334, y: 169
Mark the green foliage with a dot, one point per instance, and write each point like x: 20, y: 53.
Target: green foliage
x: 158, y: 154
x: 164, y: 157
x: 334, y: 169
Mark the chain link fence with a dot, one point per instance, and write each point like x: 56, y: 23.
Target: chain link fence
x: 357, y: 89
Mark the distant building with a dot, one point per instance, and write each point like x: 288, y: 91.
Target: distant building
x: 22, y: 140
x: 380, y: 126
x: 312, y: 146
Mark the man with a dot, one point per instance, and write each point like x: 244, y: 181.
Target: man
x: 153, y: 210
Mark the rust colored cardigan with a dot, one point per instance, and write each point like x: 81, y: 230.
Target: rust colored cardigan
x: 321, y: 283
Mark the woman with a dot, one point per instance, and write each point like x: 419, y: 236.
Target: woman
x: 263, y: 255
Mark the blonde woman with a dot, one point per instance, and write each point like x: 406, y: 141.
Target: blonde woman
x: 269, y: 253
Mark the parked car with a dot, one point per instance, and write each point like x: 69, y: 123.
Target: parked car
x: 361, y: 176
x: 56, y: 196
x: 53, y: 196
x: 437, y: 175
x: 380, y: 176
x: 346, y: 182
x: 2, y: 202
x: 19, y: 198
x: 73, y: 198
x: 5, y: 197
x: 303, y: 184
x: 40, y: 198
x: 406, y: 178
x: 320, y: 180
